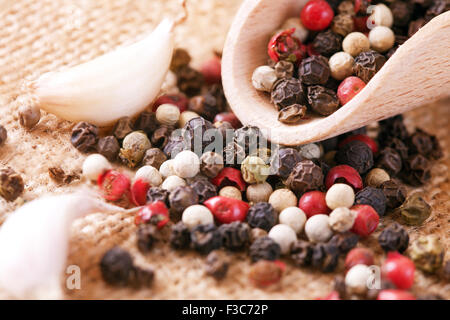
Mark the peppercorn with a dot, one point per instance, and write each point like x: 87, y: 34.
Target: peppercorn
x: 292, y: 114
x: 116, y: 266
x: 394, y: 238
x: 198, y: 130
x: 401, y: 12
x: 359, y: 256
x: 373, y: 197
x: 249, y: 137
x: 231, y: 192
x: 3, y: 135
x: 285, y: 161
x: 108, y: 147
x: 259, y: 192
x: 415, y: 25
x: 356, y: 279
x: 58, y: 175
x: 325, y: 256
x: 446, y: 271
x: 175, y: 145
x: 394, y: 192
x: 427, y: 253
x: 190, y: 81
x: 287, y: 92
x: 284, y: 235
x: 415, y: 210
x: 368, y: 63
x: 301, y: 253
x: 355, y: 43
x: 424, y: 144
x: 181, y: 198
x: 157, y: 194
x: 317, y: 228
x: 154, y: 157
x: 141, y: 277
x: 206, y: 238
x: 172, y: 182
x: 147, y: 234
x: 84, y: 136
x: 381, y: 15
x: 146, y: 122
x: 134, y: 147
x: 161, y: 136
x: 284, y: 69
x: 322, y: 100
x: 416, y: 170
x: 254, y: 170
x: 205, y: 105
x: 314, y: 70
x: 122, y: 127
x: 357, y: 155
x: 341, y: 219
x: 217, y: 264
x: 264, y: 248
x: 264, y: 273
x: 436, y: 8
x: 167, y: 114
x: 390, y: 160
x: 11, y: 184
x: 282, y: 198
x: 381, y: 38
x: 305, y: 176
x: 399, y: 146
x: 376, y: 177
x: 264, y: 78
x: 204, y: 190
x: 311, y: 151
x: 345, y: 241
x: 262, y: 215
x: 341, y: 65
x: 29, y: 116
x: 346, y: 7
x: 211, y: 164
x: 327, y: 43
x: 393, y: 127
x: 235, y: 235
x: 180, y: 59
x: 180, y: 237
x: 342, y: 24
x: 301, y: 33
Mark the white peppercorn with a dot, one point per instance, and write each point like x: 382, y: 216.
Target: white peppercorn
x: 356, y: 279
x: 282, y: 198
x: 294, y: 217
x: 381, y: 38
x: 284, y: 235
x: 317, y: 228
x: 376, y: 177
x: 94, y: 165
x: 185, y: 116
x: 172, y: 182
x: 150, y: 175
x: 340, y: 195
x: 134, y: 146
x: 263, y: 78
x: 301, y: 33
x: 186, y: 164
x: 341, y: 219
x: 381, y: 16
x: 341, y: 65
x: 29, y: 116
x: 310, y: 151
x: 167, y: 114
x: 197, y: 215
x: 166, y: 169
x: 259, y: 192
x: 231, y: 192
x: 355, y: 43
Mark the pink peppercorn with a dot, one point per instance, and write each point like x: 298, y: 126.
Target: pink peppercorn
x: 228, y: 117
x: 395, y: 294
x: 179, y: 100
x: 283, y: 46
x: 230, y: 177
x: 349, y: 88
x: 399, y: 270
x: 316, y: 15
x: 155, y: 210
x: 344, y: 174
x: 359, y: 256
x: 227, y: 210
x: 312, y: 203
x: 114, y: 185
x: 212, y: 70
x: 363, y: 138
x: 139, y: 192
x: 366, y: 220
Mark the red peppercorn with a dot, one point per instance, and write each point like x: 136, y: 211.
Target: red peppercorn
x: 363, y: 138
x: 227, y: 210
x: 179, y: 100
x: 212, y: 70
x: 155, y: 210
x: 399, y: 270
x: 358, y: 256
x: 349, y: 88
x: 283, y: 46
x: 360, y: 24
x: 139, y: 192
x: 228, y: 117
x: 344, y: 174
x: 316, y: 15
x: 333, y: 295
x: 114, y: 185
x: 366, y: 221
x: 394, y: 294
x: 312, y: 203
x: 311, y: 51
x: 229, y: 177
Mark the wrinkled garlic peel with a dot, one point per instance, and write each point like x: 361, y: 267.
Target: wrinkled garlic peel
x: 120, y: 83
x: 34, y: 241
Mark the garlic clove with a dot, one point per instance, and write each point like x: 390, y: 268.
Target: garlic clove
x: 120, y: 83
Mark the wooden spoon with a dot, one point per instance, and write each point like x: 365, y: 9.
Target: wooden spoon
x: 418, y: 73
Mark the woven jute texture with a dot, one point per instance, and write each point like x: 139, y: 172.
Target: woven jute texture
x: 46, y: 35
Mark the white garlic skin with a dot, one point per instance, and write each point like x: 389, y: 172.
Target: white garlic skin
x: 196, y: 215
x: 284, y: 235
x: 95, y: 165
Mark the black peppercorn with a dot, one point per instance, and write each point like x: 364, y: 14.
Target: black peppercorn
x: 345, y: 241
x: 141, y: 277
x: 340, y: 287
x: 325, y: 256
x: 368, y: 63
x: 180, y: 59
x: 390, y: 160
x: 322, y: 100
x: 180, y: 237
x: 402, y: 13
x: 122, y: 128
x: 146, y: 122
x: 301, y: 253
x: 216, y: 91
x: 394, y: 192
x: 116, y: 266
x: 356, y: 154
x: 147, y: 234
x: 424, y: 144
x: 374, y: 197
x: 415, y: 25
x: 314, y: 70
x: 292, y: 114
x: 394, y: 238
x: 286, y: 160
x: 181, y: 198
x: 189, y: 81
x: 161, y: 136
x: 3, y: 135
x: 249, y: 137
x: 399, y: 146
x: 436, y: 8
x: 262, y: 215
x: 363, y: 8
x: 60, y: 176
x: 264, y: 248
x: 204, y: 105
x: 416, y: 170
x: 392, y: 127
x: 287, y: 92
x: 206, y: 238
x: 235, y: 235
x: 154, y: 157
x: 304, y: 177
x: 414, y: 211
x: 327, y: 43
x: 108, y: 147
x: 234, y: 154
x: 204, y: 190
x: 217, y: 264
x: 158, y: 194
x: 84, y: 136
x: 199, y: 131
x: 11, y: 184
x: 175, y: 145
x: 342, y: 24
x: 284, y: 69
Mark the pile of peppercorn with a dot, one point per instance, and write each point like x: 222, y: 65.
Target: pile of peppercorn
x: 320, y: 61
x: 308, y: 206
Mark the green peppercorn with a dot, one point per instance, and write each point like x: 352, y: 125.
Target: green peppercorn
x: 414, y: 210
x: 134, y: 147
x: 254, y: 170
x: 427, y: 253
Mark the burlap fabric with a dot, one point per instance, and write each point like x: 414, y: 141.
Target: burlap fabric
x: 46, y: 35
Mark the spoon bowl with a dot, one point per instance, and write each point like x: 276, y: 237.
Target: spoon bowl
x: 417, y: 73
